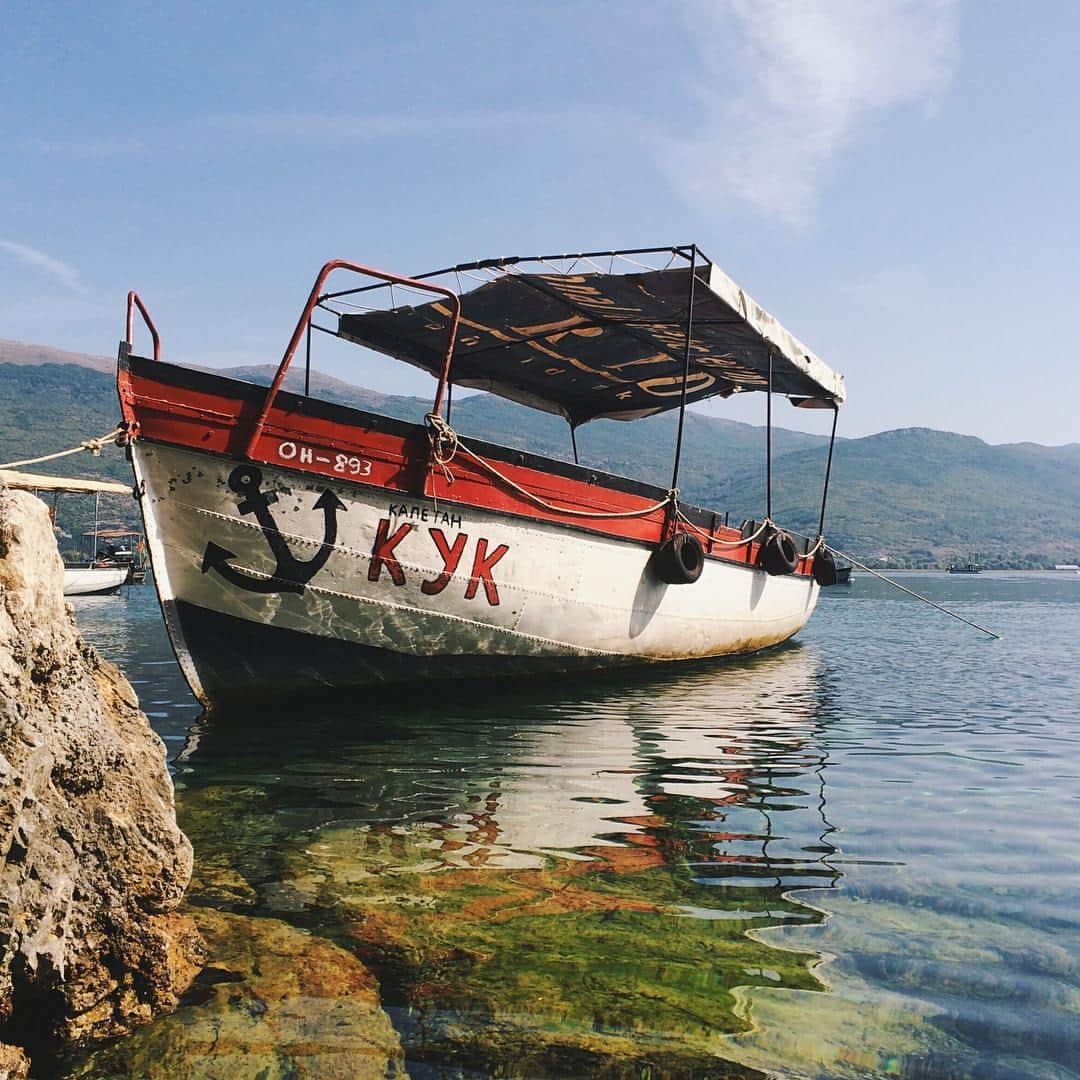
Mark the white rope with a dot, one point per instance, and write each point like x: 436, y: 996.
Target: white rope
x: 445, y: 444
x: 483, y: 276
x: 93, y: 445
x: 443, y: 436
x: 766, y: 524
x: 637, y: 262
x: 911, y: 592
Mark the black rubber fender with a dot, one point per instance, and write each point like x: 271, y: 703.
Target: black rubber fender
x: 679, y: 560
x: 778, y: 554
x: 825, y: 568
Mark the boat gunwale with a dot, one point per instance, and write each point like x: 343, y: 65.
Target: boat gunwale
x: 196, y: 379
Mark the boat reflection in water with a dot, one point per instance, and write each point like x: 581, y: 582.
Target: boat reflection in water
x: 554, y: 887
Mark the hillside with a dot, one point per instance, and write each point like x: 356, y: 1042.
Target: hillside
x: 919, y: 497
x: 17, y: 352
x: 906, y: 497
x: 53, y: 406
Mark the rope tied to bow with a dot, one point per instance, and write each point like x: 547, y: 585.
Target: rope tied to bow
x: 444, y: 444
x: 92, y: 445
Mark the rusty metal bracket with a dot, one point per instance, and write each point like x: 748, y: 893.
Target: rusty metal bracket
x: 305, y: 318
x: 133, y: 302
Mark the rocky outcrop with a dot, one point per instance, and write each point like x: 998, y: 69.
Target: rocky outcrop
x: 93, y: 863
x: 275, y: 1002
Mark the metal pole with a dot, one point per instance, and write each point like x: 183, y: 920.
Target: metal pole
x: 97, y: 506
x: 768, y: 444
x: 828, y: 470
x: 686, y: 368
x: 573, y: 443
x: 307, y: 368
x: 305, y: 320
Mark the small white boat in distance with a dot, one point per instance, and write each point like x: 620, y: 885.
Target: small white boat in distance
x: 89, y: 579
x: 93, y: 580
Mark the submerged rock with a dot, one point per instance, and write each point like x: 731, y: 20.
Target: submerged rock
x: 275, y: 1002
x: 93, y: 863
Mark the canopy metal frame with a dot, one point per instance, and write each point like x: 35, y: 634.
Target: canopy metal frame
x: 485, y: 270
x: 600, y: 327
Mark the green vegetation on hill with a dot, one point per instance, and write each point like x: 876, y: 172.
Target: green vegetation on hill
x: 921, y: 497
x: 911, y: 497
x: 45, y: 408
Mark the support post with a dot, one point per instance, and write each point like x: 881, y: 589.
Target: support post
x: 828, y: 470
x: 307, y: 367
x: 686, y: 367
x: 768, y: 442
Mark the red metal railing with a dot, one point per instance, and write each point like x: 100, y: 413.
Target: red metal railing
x: 309, y: 307
x: 133, y: 303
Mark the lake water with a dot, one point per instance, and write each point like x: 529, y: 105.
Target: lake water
x: 857, y: 855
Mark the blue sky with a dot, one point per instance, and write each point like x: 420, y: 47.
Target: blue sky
x: 896, y: 180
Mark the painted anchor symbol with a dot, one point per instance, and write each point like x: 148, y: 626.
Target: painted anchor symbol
x: 290, y: 574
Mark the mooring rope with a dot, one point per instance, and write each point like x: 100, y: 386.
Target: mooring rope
x: 911, y: 592
x: 445, y: 443
x: 93, y: 445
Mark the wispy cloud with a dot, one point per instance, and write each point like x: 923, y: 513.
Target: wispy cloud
x: 61, y: 272
x: 323, y: 126
x: 815, y: 72
x: 91, y: 147
x: 225, y: 132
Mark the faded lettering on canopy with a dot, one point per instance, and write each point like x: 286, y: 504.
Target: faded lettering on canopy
x: 602, y: 345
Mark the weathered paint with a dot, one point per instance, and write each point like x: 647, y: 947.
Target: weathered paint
x: 475, y: 584
x: 212, y: 414
x: 340, y: 532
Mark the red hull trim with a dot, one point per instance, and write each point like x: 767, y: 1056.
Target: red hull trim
x: 208, y: 413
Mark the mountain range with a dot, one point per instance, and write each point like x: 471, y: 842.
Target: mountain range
x: 908, y: 497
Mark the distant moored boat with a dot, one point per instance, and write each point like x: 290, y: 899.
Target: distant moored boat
x: 101, y: 574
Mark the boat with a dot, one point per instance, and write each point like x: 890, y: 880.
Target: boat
x: 843, y: 575
x: 101, y: 574
x: 964, y: 568
x: 120, y: 547
x: 302, y: 547
x: 93, y: 580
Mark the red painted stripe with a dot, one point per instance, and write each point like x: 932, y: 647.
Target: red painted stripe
x: 352, y: 453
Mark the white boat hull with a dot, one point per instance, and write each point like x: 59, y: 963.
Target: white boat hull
x: 411, y: 588
x: 93, y: 580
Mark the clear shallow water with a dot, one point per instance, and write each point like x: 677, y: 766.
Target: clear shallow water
x: 854, y: 856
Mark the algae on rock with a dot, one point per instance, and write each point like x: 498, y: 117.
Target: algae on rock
x: 275, y: 1002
